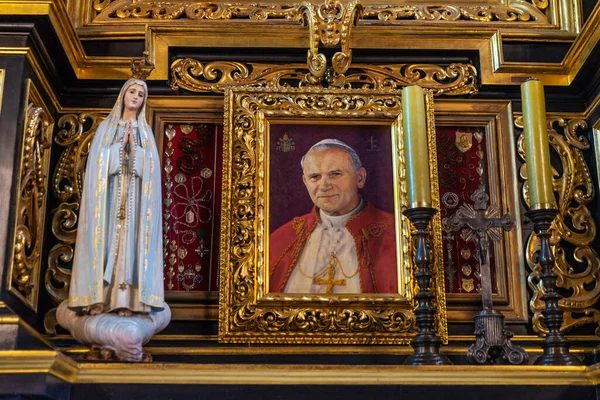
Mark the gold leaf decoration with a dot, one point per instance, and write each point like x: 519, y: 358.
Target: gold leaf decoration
x: 574, y: 230
x: 488, y: 13
x: 329, y: 24
x: 100, y: 5
x: 328, y: 10
x: 68, y: 176
x: 151, y: 10
x: 161, y: 10
x: 31, y: 202
x: 540, y: 4
x: 75, y: 136
x: 453, y: 80
x: 195, y: 76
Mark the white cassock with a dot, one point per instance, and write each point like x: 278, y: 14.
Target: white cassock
x: 330, y: 246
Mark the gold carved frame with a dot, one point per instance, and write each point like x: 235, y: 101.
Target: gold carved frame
x: 248, y: 312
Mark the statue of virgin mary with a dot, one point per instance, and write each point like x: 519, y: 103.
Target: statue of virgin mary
x: 118, y: 263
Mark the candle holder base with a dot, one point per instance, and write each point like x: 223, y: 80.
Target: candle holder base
x: 555, y: 346
x: 427, y: 352
x: 556, y: 352
x: 493, y: 341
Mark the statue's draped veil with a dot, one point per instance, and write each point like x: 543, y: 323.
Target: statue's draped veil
x: 110, y: 129
x: 94, y: 226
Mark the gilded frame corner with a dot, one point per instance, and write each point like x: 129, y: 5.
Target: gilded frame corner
x: 248, y: 311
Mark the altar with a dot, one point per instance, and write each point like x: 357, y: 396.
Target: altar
x: 465, y: 175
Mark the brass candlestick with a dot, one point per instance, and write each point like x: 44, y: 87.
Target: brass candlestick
x: 555, y: 346
x: 480, y: 224
x: 426, y: 344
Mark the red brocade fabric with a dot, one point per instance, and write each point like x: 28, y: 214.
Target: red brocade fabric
x: 462, y: 166
x: 192, y: 204
x: 191, y: 179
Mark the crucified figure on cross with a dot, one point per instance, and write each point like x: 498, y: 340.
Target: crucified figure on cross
x: 479, y: 224
x: 329, y: 280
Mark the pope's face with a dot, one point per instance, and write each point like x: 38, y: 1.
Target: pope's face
x: 331, y: 182
x: 134, y: 97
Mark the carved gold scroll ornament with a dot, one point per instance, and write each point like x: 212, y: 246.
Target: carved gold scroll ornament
x: 329, y: 24
x: 31, y: 201
x: 195, y: 76
x: 574, y: 230
x: 514, y: 11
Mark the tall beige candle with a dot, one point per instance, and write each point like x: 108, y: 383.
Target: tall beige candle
x: 537, y: 148
x: 416, y: 152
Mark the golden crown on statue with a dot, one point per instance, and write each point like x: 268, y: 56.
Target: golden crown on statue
x: 141, y: 67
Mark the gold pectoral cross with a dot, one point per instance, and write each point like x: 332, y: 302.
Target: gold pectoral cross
x: 329, y: 281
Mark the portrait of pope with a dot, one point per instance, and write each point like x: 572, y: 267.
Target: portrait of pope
x: 344, y: 244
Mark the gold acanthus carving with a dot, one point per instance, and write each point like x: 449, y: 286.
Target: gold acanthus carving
x: 161, y: 10
x: 31, y: 203
x: 514, y: 11
x: 75, y: 137
x: 574, y: 229
x: 195, y: 76
x: 329, y: 24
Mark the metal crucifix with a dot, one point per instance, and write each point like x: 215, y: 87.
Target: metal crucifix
x: 479, y: 224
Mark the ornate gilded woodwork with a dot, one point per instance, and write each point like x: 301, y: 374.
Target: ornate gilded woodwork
x: 195, y: 76
x: 99, y: 5
x: 515, y: 11
x: 574, y: 229
x: 75, y: 137
x: 31, y: 202
x: 457, y: 35
x: 329, y: 24
x: 202, y: 10
x: 248, y: 312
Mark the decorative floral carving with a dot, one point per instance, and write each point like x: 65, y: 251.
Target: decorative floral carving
x: 161, y: 10
x: 514, y: 11
x: 31, y: 203
x: 487, y: 13
x: 453, y: 80
x: 195, y: 76
x: 574, y: 229
x: 75, y: 135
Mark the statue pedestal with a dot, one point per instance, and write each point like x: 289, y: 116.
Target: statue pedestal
x: 122, y: 335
